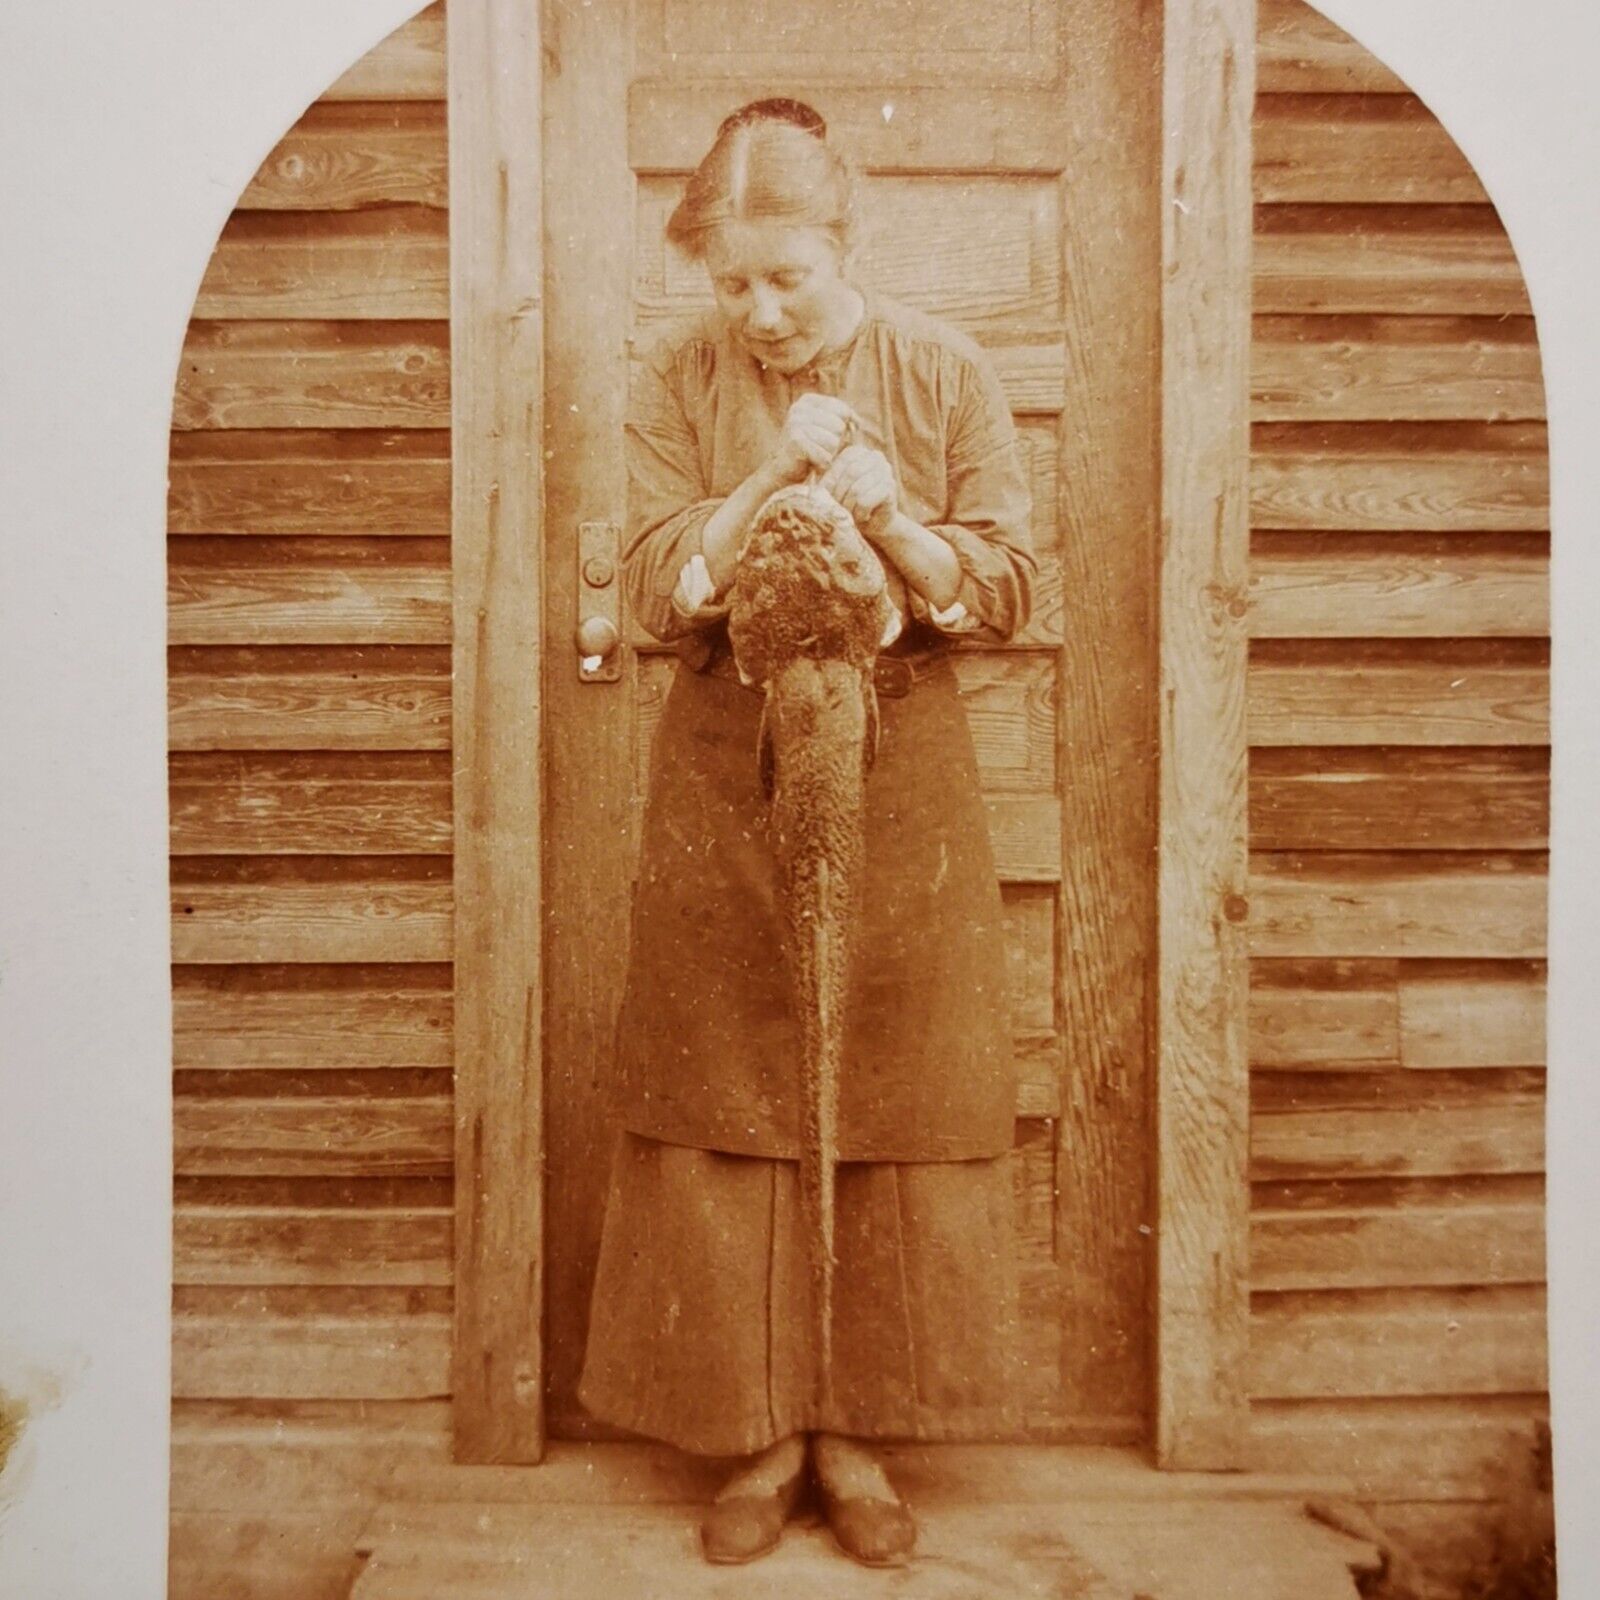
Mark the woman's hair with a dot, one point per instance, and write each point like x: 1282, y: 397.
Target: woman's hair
x: 770, y: 160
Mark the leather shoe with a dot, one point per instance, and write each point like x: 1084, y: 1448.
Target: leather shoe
x: 877, y: 1533
x: 744, y: 1526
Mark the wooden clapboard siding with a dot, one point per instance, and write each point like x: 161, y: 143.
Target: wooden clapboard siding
x: 1369, y: 149
x: 269, y: 591
x: 1384, y: 1012
x: 311, y: 908
x: 1405, y: 797
x: 253, y: 802
x: 1372, y: 692
x: 1416, y: 478
x: 359, y: 266
x: 1345, y: 260
x: 310, y: 1342
x: 322, y: 374
x: 1399, y: 790
x: 294, y: 1016
x: 358, y: 482
x: 1395, y: 369
x: 1482, y: 1340
x: 309, y: 589
x: 339, y: 157
x: 1367, y: 585
x: 383, y: 697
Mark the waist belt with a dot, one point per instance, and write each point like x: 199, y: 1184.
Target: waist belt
x: 892, y: 675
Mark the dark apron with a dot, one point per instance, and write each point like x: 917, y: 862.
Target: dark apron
x: 708, y: 1047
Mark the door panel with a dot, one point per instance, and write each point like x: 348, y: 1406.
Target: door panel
x: 978, y: 137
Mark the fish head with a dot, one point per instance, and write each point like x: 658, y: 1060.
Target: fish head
x: 809, y: 583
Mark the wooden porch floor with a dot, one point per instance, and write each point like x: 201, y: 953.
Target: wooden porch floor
x: 1067, y: 1523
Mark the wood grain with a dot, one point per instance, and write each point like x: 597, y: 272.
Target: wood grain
x: 1401, y: 1342
x: 314, y: 375
x: 339, y: 157
x: 310, y: 908
x: 1375, y: 904
x: 1357, y: 149
x: 1323, y: 586
x: 304, y: 480
x: 1401, y: 260
x: 1383, y: 1012
x: 497, y: 318
x: 1202, y: 1074
x: 312, y: 1136
x: 1300, y: 50
x: 954, y: 127
x: 1410, y: 797
x: 311, y: 1244
x: 269, y: 591
x: 1421, y: 693
x: 378, y: 697
x: 1106, y: 711
x: 1446, y: 478
x: 1326, y: 1125
x: 362, y: 266
x: 310, y: 1343
x: 290, y: 1017
x: 309, y: 803
x: 408, y: 64
x: 1458, y: 1243
x: 1395, y: 369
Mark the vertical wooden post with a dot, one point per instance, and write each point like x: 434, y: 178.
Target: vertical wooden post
x: 1202, y: 1073
x: 494, y: 69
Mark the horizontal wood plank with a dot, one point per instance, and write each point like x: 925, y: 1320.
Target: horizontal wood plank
x: 1323, y: 586
x: 1010, y: 701
x: 1025, y: 835
x: 307, y: 591
x: 310, y: 481
x: 1360, y: 149
x: 318, y: 909
x: 1409, y: 1342
x: 390, y: 264
x: 314, y: 375
x: 340, y: 156
x: 948, y: 128
x: 1400, y: 260
x: 407, y: 64
x: 312, y: 1136
x: 1342, y: 694
x: 1375, y: 904
x: 1327, y: 1125
x: 231, y: 1018
x: 1313, y: 1014
x: 304, y: 1554
x: 1030, y: 917
x: 1299, y: 50
x: 312, y: 803
x: 311, y: 1245
x: 377, y: 697
x: 1395, y: 369
x: 401, y: 1355
x: 1405, y: 798
x: 1444, y: 478
x: 1461, y: 1243
x: 1479, y: 1016
x: 1450, y: 1447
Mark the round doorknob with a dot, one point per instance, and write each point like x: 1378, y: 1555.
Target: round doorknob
x: 597, y: 636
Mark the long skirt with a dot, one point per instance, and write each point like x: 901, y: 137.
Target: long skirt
x: 701, y: 1329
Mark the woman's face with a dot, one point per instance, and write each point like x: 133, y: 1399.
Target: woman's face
x: 780, y: 289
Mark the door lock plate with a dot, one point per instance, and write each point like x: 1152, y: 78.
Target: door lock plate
x: 598, y: 634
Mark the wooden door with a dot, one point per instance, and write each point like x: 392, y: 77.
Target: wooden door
x: 1013, y: 173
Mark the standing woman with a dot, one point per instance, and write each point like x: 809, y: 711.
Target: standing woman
x: 702, y: 1320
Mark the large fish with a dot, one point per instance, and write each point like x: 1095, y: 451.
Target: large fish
x: 809, y: 609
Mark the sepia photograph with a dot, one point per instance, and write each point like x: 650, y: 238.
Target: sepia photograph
x: 858, y: 777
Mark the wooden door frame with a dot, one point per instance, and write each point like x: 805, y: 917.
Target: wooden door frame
x: 495, y: 69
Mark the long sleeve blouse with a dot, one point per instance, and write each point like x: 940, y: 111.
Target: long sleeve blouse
x: 705, y: 413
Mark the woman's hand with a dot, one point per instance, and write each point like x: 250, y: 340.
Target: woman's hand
x: 812, y: 433
x: 862, y: 481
